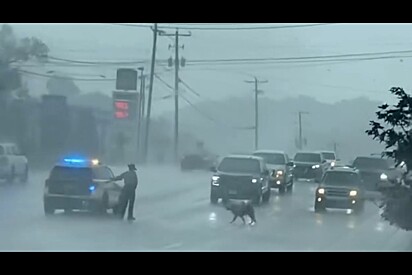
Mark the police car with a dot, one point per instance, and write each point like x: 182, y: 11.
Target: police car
x: 81, y: 184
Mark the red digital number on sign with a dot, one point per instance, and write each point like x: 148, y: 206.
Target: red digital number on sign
x: 122, y: 105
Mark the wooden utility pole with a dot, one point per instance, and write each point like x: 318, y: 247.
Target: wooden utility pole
x: 149, y: 101
x: 177, y: 67
x: 257, y: 91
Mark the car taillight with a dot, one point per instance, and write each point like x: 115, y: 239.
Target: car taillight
x: 4, y: 161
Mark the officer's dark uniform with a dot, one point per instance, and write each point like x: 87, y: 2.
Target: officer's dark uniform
x: 129, y: 191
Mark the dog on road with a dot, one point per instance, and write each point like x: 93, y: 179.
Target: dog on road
x: 240, y: 210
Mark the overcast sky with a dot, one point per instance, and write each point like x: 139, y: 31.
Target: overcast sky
x: 327, y: 83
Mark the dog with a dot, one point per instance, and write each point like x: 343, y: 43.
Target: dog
x: 241, y: 209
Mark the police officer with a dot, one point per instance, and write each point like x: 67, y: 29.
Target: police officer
x: 128, y: 193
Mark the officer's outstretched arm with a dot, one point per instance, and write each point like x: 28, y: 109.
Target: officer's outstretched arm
x: 119, y: 177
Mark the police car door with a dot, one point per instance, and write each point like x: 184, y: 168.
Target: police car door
x: 113, y: 188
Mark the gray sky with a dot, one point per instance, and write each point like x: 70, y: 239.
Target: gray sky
x: 327, y: 83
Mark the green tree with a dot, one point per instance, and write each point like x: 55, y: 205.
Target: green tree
x: 394, y: 130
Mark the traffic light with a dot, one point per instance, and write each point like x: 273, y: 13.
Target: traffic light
x: 125, y: 105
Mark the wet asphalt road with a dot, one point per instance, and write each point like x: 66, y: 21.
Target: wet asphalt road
x: 174, y: 214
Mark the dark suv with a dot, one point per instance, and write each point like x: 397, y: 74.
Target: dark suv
x: 240, y: 177
x: 375, y: 171
x: 77, y: 184
x: 280, y: 168
x: 309, y: 165
x: 340, y: 188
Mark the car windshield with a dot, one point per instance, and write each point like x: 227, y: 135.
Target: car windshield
x: 341, y: 179
x: 239, y: 165
x: 307, y: 157
x: 70, y: 173
x: 271, y: 158
x: 329, y: 156
x: 371, y: 163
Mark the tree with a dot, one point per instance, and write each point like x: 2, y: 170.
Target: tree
x: 395, y: 132
x: 12, y: 51
x: 64, y: 86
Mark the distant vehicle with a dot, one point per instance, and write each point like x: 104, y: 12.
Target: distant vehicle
x: 340, y: 188
x: 240, y: 177
x: 81, y: 184
x: 197, y: 162
x: 309, y: 165
x: 13, y: 164
x: 330, y: 158
x: 377, y: 171
x: 280, y: 168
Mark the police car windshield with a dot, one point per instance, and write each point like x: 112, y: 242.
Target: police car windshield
x: 341, y: 179
x: 277, y: 159
x: 329, y: 156
x: 239, y: 165
x: 371, y: 163
x: 307, y: 157
x: 70, y: 173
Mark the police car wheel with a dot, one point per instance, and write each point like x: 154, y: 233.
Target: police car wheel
x: 101, y: 207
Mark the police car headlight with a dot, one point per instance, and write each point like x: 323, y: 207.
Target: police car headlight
x: 279, y: 173
x: 92, y: 188
x: 384, y: 176
x: 317, y: 166
x: 353, y: 193
x: 254, y: 180
x: 333, y: 164
x: 321, y: 191
x: 215, y: 180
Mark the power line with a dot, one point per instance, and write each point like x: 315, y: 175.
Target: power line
x: 200, y: 111
x: 189, y: 88
x: 237, y: 28
x: 318, y: 58
x: 98, y: 62
x: 302, y: 57
x: 66, y: 77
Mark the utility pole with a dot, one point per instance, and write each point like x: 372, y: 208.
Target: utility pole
x: 140, y: 117
x: 149, y: 102
x: 300, y: 129
x: 177, y: 66
x: 257, y: 91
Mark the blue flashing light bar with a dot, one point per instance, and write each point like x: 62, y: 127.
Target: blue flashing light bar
x: 74, y: 161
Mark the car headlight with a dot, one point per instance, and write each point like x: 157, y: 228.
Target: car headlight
x: 384, y: 177
x: 321, y: 191
x: 215, y: 180
x: 254, y: 180
x: 317, y: 166
x: 333, y: 164
x: 353, y: 193
x: 279, y: 173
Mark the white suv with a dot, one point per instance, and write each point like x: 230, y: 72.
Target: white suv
x: 12, y: 163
